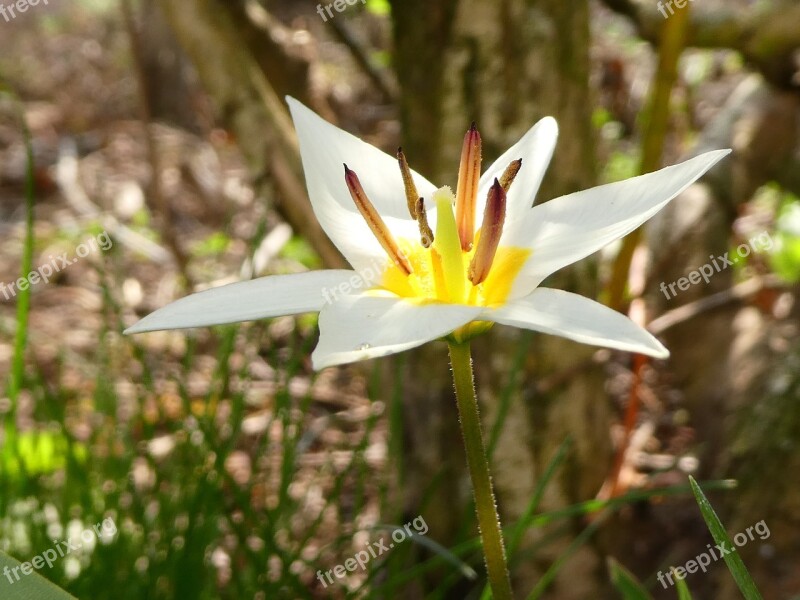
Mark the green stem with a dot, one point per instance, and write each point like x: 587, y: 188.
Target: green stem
x: 488, y: 520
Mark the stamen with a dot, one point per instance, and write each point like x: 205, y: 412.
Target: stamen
x: 408, y: 184
x: 507, y: 178
x: 493, y: 217
x: 375, y: 222
x: 469, y: 175
x: 425, y: 231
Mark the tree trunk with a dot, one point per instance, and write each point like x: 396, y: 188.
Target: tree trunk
x: 505, y: 65
x: 250, y: 107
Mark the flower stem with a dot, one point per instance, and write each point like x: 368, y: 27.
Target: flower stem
x: 488, y: 520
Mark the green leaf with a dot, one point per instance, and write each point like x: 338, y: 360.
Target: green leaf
x: 732, y: 558
x: 625, y: 582
x: 298, y: 249
x: 214, y: 245
x: 620, y: 165
x: 26, y: 587
x: 379, y: 7
x: 40, y: 452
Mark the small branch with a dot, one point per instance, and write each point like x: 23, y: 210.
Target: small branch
x: 67, y: 180
x: 694, y: 309
x: 251, y: 108
x: 382, y: 82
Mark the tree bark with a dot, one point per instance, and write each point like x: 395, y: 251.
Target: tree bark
x: 505, y: 65
x: 252, y: 108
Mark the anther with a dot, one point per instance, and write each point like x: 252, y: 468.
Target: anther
x: 408, y: 183
x: 374, y: 220
x: 507, y: 178
x: 469, y: 175
x: 494, y: 216
x: 425, y: 231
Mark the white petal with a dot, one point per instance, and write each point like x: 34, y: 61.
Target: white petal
x: 324, y: 149
x: 569, y: 228
x: 261, y: 298
x: 577, y: 318
x: 535, y: 149
x: 359, y: 327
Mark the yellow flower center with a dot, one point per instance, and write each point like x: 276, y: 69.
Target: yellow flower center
x: 440, y: 273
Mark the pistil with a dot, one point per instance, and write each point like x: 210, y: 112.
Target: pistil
x: 448, y: 245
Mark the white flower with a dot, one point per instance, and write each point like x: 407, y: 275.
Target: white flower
x: 483, y: 265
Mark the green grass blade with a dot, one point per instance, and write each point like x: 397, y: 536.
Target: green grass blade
x: 17, y: 371
x: 552, y: 572
x: 538, y: 494
x: 510, y: 391
x: 472, y: 546
x: 625, y: 582
x: 732, y: 558
x: 516, y: 537
x: 436, y: 548
x: 683, y: 589
x: 24, y: 295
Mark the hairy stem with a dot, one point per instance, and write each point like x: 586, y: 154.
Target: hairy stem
x: 488, y: 520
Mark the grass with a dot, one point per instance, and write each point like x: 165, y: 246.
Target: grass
x: 226, y: 477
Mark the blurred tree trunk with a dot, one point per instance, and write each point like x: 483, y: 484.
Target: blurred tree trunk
x: 224, y: 49
x: 166, y: 71
x: 504, y: 65
x: 736, y: 379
